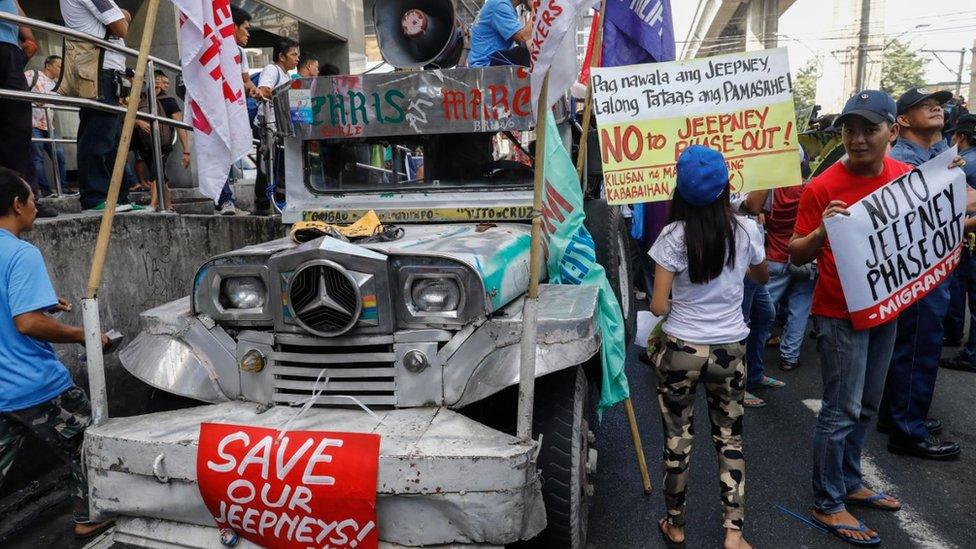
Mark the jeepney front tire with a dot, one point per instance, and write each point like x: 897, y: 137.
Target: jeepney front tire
x: 562, y: 417
x: 611, y: 236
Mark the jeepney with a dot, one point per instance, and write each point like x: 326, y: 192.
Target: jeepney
x: 423, y: 329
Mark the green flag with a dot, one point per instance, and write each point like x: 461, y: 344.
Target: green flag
x: 572, y: 260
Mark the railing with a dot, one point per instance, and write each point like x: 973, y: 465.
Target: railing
x: 41, y: 100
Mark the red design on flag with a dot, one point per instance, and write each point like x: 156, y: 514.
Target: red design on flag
x: 290, y: 490
x: 552, y: 48
x: 211, y: 65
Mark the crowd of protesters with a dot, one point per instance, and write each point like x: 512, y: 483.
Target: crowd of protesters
x: 722, y: 281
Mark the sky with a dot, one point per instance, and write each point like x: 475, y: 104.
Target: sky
x: 806, y: 29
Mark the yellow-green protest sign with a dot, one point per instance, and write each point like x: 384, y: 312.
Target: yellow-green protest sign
x: 739, y: 104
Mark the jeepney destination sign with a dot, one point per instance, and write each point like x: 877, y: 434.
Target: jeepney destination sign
x: 405, y: 103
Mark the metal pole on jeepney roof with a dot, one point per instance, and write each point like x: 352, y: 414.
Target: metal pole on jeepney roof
x: 92, y: 324
x: 526, y: 394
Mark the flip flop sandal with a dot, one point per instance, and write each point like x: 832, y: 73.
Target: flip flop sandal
x: 835, y: 530
x: 752, y: 401
x: 872, y: 502
x: 771, y: 382
x: 97, y: 531
x: 670, y: 543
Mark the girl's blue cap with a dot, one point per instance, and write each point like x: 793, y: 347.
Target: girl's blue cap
x: 702, y: 175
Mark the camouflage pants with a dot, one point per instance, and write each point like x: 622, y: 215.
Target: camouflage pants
x: 721, y: 369
x: 60, y: 424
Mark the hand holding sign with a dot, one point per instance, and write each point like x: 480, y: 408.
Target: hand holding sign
x: 898, y: 243
x: 299, y: 489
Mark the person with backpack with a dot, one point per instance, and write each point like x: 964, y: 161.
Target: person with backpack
x: 285, y: 56
x: 703, y: 256
x: 142, y: 138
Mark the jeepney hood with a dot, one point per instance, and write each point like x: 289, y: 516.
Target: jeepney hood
x: 497, y: 253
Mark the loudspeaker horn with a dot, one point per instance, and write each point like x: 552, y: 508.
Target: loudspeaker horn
x: 418, y: 33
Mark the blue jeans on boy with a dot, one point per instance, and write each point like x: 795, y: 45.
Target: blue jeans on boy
x: 799, y: 297
x: 53, y: 150
x: 853, y: 367
x: 757, y: 308
x: 915, y: 366
x: 226, y: 194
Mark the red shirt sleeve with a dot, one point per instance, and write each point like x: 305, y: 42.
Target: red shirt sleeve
x: 810, y: 212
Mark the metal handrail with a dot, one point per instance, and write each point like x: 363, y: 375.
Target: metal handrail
x: 86, y: 103
x: 44, y: 25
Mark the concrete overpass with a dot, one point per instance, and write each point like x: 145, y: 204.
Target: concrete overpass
x: 733, y: 25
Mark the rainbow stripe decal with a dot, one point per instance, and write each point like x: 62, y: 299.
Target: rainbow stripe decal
x: 369, y: 308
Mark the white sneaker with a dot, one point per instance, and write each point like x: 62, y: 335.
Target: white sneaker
x: 228, y: 209
x: 124, y: 208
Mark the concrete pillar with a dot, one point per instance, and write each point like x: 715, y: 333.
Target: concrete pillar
x: 762, y: 24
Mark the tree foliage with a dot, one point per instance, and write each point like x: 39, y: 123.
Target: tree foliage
x: 805, y: 86
x: 901, y: 68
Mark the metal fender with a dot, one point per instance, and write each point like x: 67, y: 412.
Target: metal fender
x: 184, y: 354
x: 488, y: 361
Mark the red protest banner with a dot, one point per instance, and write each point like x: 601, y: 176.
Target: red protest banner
x: 301, y: 489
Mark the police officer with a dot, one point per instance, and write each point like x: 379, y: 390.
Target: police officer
x: 964, y: 137
x: 918, y: 343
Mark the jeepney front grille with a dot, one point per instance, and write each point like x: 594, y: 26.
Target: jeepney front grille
x: 361, y: 367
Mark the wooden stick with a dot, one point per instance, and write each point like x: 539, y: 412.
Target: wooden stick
x: 526, y: 398
x: 588, y: 102
x: 638, y: 448
x: 108, y: 216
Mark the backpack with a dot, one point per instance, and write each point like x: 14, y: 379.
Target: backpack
x: 165, y: 130
x: 252, y: 103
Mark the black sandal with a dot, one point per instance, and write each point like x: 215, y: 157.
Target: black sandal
x: 670, y: 543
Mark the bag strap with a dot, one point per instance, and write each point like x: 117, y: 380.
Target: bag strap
x: 33, y: 81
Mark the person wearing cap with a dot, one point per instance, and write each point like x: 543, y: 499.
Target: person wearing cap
x: 853, y: 362
x: 964, y: 137
x: 918, y: 343
x: 703, y: 255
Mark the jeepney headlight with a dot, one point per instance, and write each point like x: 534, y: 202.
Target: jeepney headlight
x: 243, y: 292
x: 435, y: 295
x: 253, y: 361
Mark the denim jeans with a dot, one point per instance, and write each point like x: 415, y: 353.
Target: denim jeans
x: 962, y: 285
x: 853, y: 367
x: 38, y: 151
x: 98, y: 142
x: 799, y: 297
x: 915, y: 366
x: 758, y: 311
x: 226, y: 194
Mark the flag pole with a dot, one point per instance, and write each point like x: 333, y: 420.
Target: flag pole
x: 580, y: 163
x: 89, y: 305
x: 597, y: 53
x: 526, y: 395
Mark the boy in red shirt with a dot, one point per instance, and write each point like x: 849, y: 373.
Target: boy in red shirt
x: 853, y: 362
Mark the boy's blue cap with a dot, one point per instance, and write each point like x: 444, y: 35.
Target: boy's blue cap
x: 702, y: 175
x: 873, y: 105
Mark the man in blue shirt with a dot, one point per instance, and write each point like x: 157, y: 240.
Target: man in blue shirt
x: 918, y: 343
x: 37, y: 395
x: 497, y: 27
x: 964, y: 281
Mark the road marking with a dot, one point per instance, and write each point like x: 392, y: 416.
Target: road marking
x: 920, y: 532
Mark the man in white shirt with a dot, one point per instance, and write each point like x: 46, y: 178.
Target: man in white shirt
x: 98, y: 131
x: 43, y: 81
x: 285, y: 55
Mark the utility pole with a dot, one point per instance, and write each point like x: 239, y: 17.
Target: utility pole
x: 862, y: 46
x: 962, y: 64
x: 972, y: 77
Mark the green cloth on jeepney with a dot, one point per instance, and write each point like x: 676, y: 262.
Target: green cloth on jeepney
x: 572, y: 260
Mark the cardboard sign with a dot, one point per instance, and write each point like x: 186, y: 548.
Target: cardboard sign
x: 308, y: 489
x: 901, y: 241
x: 739, y: 104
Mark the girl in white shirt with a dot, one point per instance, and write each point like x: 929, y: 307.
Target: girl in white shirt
x: 702, y: 256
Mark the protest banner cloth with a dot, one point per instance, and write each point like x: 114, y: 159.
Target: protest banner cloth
x: 571, y: 259
x: 552, y: 48
x: 739, y: 104
x: 900, y: 241
x: 290, y: 490
x: 215, y: 103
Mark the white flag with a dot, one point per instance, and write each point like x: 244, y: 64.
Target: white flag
x: 215, y: 99
x: 553, y: 47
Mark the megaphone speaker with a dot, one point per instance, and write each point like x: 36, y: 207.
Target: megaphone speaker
x: 418, y: 33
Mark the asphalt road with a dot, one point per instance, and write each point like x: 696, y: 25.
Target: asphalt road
x: 939, y: 499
